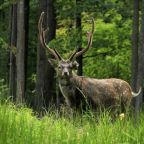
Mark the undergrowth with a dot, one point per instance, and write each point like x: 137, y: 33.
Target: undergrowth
x: 21, y: 126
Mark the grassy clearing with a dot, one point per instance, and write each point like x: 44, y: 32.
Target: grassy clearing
x: 19, y: 126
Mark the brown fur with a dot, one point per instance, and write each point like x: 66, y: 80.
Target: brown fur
x: 104, y: 92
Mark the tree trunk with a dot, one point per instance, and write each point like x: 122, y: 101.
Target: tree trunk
x: 79, y: 47
x: 135, y: 44
x: 26, y: 19
x: 79, y: 42
x: 21, y: 50
x: 51, y: 23
x: 45, y: 73
x: 135, y: 48
x: 141, y: 59
x: 13, y: 39
x: 1, y: 11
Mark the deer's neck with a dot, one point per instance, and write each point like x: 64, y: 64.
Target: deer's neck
x: 67, y: 90
x: 64, y: 82
x: 77, y: 81
x: 73, y: 81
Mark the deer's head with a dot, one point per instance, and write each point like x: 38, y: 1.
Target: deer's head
x: 63, y: 67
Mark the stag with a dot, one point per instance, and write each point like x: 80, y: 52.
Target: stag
x: 99, y: 92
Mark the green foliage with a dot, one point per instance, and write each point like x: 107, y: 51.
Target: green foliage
x: 111, y: 51
x: 65, y: 9
x: 3, y: 59
x: 65, y: 41
x: 4, y: 95
x: 7, y: 3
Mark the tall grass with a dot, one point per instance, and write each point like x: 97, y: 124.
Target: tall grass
x: 20, y: 126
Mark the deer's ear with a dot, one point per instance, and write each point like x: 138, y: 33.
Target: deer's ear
x: 53, y: 62
x: 75, y: 65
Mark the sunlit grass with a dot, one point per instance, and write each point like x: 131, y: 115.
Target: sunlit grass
x: 20, y: 126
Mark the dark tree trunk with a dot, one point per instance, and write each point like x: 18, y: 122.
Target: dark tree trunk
x: 1, y: 11
x: 12, y: 63
x: 22, y: 34
x: 79, y: 42
x: 51, y: 23
x: 26, y: 19
x: 41, y: 64
x: 45, y: 73
x: 140, y: 82
x: 77, y: 99
x: 135, y: 46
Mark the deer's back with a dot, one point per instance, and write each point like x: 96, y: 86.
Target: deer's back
x: 105, y: 92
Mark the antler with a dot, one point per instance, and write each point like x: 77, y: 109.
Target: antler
x: 90, y: 37
x: 42, y: 34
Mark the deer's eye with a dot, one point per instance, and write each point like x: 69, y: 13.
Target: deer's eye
x: 59, y: 67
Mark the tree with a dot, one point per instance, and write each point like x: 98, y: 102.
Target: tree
x: 79, y: 29
x: 135, y: 49
x: 22, y: 35
x: 12, y: 62
x: 140, y: 82
x: 45, y: 73
x: 135, y: 44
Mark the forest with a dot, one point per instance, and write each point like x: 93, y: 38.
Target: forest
x: 28, y: 80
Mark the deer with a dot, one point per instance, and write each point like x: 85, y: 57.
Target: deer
x: 107, y: 93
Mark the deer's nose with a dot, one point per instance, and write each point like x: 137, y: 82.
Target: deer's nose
x: 66, y: 73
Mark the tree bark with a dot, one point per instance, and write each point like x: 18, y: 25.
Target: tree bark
x: 135, y: 44
x: 22, y: 40
x: 51, y: 23
x: 140, y: 82
x: 13, y: 39
x: 26, y: 19
x: 135, y: 48
x: 45, y: 73
x: 79, y: 42
x: 78, y: 99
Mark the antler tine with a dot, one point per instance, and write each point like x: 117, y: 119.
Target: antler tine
x: 90, y: 37
x: 72, y: 56
x: 58, y: 54
x: 42, y: 34
x: 41, y: 29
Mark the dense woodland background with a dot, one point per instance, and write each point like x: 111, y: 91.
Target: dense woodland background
x: 117, y: 49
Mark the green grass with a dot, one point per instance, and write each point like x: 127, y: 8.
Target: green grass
x: 20, y: 126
